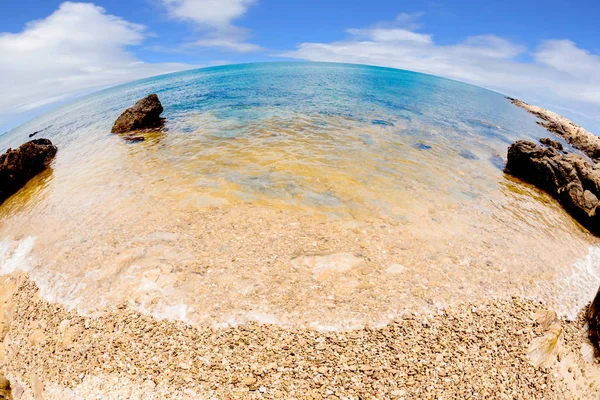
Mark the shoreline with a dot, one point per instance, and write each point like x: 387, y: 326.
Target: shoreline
x: 464, y: 350
x: 499, y: 347
x: 573, y: 134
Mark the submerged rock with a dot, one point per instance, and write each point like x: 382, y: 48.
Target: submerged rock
x: 570, y: 178
x: 145, y: 114
x: 18, y: 166
x: 467, y: 155
x: 422, y: 146
x: 593, y: 319
x: 326, y: 265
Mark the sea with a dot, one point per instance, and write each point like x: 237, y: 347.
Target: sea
x: 321, y: 195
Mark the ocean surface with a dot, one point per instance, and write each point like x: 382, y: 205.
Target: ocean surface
x: 305, y: 194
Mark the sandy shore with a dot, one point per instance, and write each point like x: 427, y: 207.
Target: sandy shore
x: 467, y: 351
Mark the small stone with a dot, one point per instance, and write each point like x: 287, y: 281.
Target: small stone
x: 249, y: 381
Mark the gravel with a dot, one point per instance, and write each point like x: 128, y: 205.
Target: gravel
x: 465, y: 351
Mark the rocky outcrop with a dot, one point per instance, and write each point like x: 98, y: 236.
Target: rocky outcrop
x: 18, y: 166
x: 5, y: 391
x: 570, y: 178
x: 575, y: 135
x: 555, y: 144
x: 593, y: 319
x: 144, y: 115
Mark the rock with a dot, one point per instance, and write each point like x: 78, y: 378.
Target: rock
x: 38, y: 387
x: 555, y: 144
x: 593, y: 319
x: 249, y: 381
x: 37, y: 338
x: 325, y: 266
x: 145, y: 114
x: 135, y: 139
x: 395, y: 269
x: 574, y: 134
x: 570, y: 178
x: 5, y: 390
x: 544, y: 349
x: 18, y: 166
x: 467, y: 154
x: 422, y: 146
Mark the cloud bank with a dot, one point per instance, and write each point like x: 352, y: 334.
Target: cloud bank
x: 215, y: 18
x: 77, y: 48
x: 556, y: 72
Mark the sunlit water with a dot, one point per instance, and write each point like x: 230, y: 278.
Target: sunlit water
x: 321, y: 195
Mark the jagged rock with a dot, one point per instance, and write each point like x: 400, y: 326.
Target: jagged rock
x: 145, y: 114
x: 570, y: 178
x: 593, y: 319
x: 575, y: 135
x: 18, y: 166
x: 5, y: 391
x: 555, y: 144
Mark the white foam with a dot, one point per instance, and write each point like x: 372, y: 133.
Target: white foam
x: 171, y: 312
x: 579, y: 285
x: 14, y: 255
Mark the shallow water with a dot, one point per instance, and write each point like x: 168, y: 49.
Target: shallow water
x: 321, y: 195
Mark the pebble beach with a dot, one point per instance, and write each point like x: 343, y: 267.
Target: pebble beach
x: 469, y: 351
x: 293, y: 245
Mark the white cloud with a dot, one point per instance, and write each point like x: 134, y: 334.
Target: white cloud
x: 228, y: 44
x: 77, y: 48
x: 565, y: 56
x: 215, y: 18
x: 557, y: 71
x: 215, y: 13
x: 391, y: 35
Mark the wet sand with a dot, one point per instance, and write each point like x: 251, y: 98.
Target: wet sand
x: 465, y: 351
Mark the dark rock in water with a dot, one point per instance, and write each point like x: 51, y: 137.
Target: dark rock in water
x: 555, y: 144
x: 135, y: 139
x: 467, y: 154
x: 382, y: 122
x: 145, y: 114
x: 481, y: 124
x: 422, y: 146
x: 18, y: 166
x: 570, y: 178
x: 593, y: 320
x: 498, y: 162
x: 5, y: 390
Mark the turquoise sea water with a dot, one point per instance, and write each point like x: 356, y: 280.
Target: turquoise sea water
x: 395, y: 176
x: 254, y: 92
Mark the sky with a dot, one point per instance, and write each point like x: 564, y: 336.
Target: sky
x: 544, y: 52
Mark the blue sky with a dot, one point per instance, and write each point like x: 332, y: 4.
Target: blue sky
x: 546, y: 52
